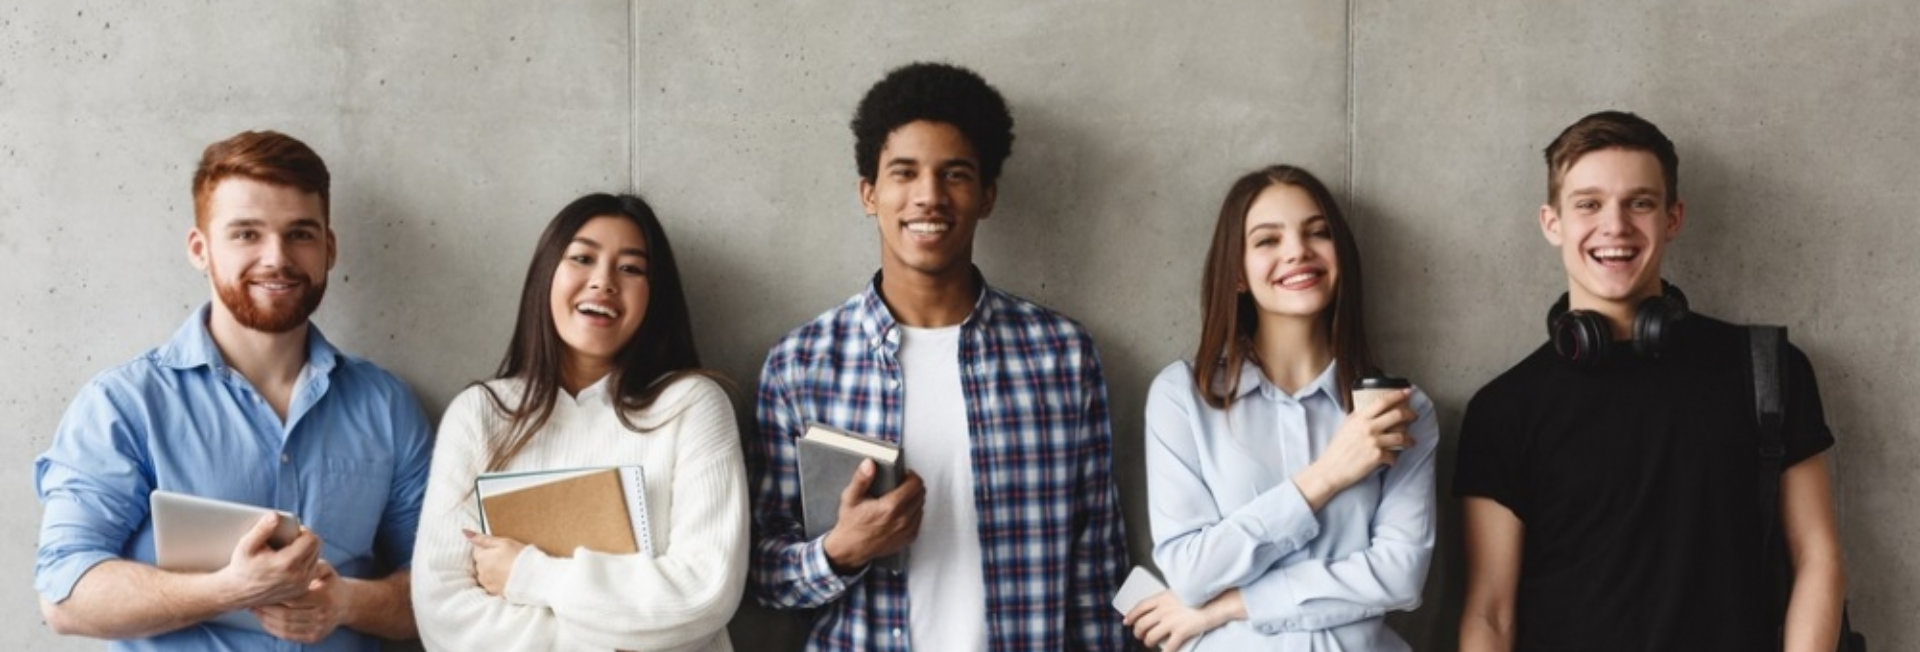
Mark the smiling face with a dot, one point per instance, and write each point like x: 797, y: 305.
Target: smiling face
x: 266, y: 250
x: 599, y: 294
x: 1291, y: 264
x: 1612, y: 221
x: 927, y: 197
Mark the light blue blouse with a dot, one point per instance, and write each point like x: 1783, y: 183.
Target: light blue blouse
x: 1225, y: 513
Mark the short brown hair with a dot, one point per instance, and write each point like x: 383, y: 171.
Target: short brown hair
x: 1611, y: 130
x: 265, y: 156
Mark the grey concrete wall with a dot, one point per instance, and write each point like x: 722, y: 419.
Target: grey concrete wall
x: 456, y: 129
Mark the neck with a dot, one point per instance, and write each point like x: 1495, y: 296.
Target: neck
x: 267, y: 360
x: 577, y: 372
x: 1619, y: 314
x: 1293, y: 350
x: 924, y: 301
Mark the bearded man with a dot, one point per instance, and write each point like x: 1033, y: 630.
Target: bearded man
x: 247, y: 403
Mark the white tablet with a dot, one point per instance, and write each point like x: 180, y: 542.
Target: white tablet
x: 196, y: 534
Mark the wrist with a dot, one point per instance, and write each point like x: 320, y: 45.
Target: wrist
x: 843, y: 560
x: 1313, y: 485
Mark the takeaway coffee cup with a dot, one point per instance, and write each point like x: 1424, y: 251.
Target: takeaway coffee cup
x: 1375, y: 388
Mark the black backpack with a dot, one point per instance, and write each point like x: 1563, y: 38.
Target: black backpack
x: 1768, y: 345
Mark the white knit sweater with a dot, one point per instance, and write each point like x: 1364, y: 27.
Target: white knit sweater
x: 679, y: 599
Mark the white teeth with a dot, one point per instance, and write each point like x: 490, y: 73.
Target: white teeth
x: 1615, y: 253
x: 597, y: 309
x: 927, y: 227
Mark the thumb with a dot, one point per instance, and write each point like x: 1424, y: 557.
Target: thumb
x: 856, y: 490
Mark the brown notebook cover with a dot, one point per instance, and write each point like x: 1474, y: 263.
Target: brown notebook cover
x: 583, y: 511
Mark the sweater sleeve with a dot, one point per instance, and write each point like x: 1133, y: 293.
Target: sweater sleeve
x: 453, y: 612
x: 685, y: 594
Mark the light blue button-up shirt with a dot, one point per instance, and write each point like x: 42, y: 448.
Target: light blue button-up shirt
x: 351, y: 460
x: 1225, y: 514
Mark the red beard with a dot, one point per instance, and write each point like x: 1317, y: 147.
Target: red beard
x: 271, y: 318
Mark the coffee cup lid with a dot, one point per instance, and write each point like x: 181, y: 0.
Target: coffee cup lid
x: 1382, y: 382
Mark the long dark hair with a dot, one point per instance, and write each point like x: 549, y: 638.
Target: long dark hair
x: 660, y: 352
x: 1229, y: 316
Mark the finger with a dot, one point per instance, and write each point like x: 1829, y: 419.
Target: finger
x: 856, y: 490
x: 1394, y: 441
x: 1174, y: 642
x: 910, y: 489
x: 256, y: 538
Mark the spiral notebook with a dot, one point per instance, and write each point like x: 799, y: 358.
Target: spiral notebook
x: 603, y: 509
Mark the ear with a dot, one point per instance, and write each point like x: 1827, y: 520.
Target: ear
x: 988, y: 195
x: 1675, y: 216
x: 197, y: 248
x: 866, y: 197
x: 333, y: 249
x: 1550, y: 224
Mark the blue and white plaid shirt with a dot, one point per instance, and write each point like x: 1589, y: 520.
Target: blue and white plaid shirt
x: 1052, y: 542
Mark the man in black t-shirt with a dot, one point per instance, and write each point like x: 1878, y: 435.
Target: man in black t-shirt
x: 1609, y: 479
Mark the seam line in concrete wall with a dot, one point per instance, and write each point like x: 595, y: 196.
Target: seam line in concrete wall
x: 633, y: 97
x: 1352, y: 123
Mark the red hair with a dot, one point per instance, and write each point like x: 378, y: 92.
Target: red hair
x: 265, y: 156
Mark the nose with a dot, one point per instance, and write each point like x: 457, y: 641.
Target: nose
x: 929, y: 191
x: 1613, y: 218
x: 273, y: 255
x: 1294, y: 249
x: 602, y: 280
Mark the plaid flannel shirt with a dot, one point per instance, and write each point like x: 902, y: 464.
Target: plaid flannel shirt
x: 1052, y: 541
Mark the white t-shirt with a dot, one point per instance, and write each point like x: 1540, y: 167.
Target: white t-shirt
x: 946, y: 588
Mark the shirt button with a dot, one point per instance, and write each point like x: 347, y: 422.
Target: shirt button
x: 893, y: 382
x: 285, y: 458
x: 896, y: 632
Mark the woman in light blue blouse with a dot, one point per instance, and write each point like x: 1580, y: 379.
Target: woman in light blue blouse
x: 1282, y: 520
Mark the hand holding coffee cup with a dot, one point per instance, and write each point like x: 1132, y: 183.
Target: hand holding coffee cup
x: 1370, y: 394
x: 1363, y: 443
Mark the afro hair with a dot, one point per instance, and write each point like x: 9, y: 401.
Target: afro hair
x: 935, y: 92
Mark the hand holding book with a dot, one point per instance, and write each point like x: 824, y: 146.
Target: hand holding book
x: 493, y: 560
x: 871, y: 528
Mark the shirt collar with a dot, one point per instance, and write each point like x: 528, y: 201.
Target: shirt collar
x: 192, y: 346
x: 880, y: 325
x: 1253, y: 379
x: 592, y: 394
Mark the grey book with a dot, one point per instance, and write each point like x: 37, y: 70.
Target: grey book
x: 828, y: 459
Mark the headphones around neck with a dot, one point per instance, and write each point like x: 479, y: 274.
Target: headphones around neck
x: 1585, y: 338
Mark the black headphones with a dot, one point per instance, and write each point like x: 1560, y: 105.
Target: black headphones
x: 1585, y: 338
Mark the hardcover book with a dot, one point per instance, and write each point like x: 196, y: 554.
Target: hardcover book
x: 828, y: 459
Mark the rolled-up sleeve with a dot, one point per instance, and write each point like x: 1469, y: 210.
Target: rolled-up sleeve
x: 93, y: 484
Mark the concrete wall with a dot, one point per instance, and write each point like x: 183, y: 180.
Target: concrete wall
x: 455, y: 130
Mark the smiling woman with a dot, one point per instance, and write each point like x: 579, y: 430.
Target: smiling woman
x: 601, y: 371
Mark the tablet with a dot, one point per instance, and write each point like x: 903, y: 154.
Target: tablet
x: 195, y: 534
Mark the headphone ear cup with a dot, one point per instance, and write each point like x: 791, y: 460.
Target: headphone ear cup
x: 1653, y: 324
x: 1581, y: 337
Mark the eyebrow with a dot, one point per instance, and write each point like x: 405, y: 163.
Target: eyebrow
x: 1595, y: 190
x: 629, y: 251
x: 1310, y: 221
x: 952, y: 162
x: 255, y: 222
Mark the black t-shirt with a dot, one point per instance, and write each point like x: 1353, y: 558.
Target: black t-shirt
x: 1637, y: 482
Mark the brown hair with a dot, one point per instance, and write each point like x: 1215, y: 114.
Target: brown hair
x: 660, y: 352
x: 1229, y: 316
x: 265, y: 156
x: 1611, y: 130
